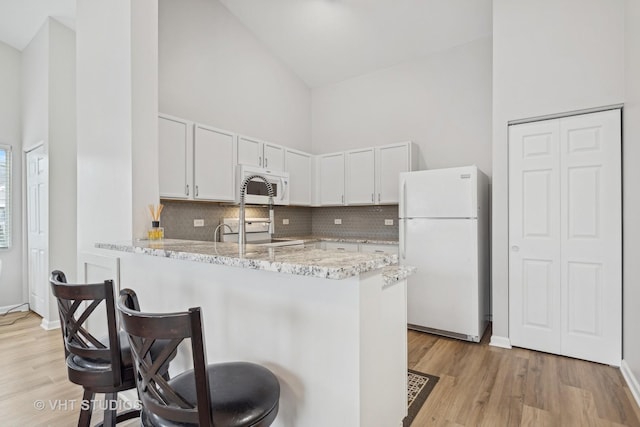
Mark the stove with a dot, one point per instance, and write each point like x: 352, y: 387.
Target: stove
x: 257, y: 230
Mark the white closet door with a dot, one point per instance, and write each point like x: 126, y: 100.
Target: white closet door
x: 565, y: 236
x: 534, y: 234
x: 591, y: 237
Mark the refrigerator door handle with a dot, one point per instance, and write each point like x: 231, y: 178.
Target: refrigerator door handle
x: 403, y: 199
x: 403, y: 240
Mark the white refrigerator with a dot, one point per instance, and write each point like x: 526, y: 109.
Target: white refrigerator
x: 444, y: 232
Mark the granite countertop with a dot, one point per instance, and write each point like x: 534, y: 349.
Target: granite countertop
x: 312, y: 238
x: 312, y: 262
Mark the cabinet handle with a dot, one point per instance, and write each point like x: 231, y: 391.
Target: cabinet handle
x: 378, y: 197
x: 187, y: 189
x: 196, y: 191
x: 343, y: 199
x: 259, y: 160
x: 372, y: 199
x: 265, y: 162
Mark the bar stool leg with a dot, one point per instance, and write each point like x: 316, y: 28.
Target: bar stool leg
x: 86, y: 407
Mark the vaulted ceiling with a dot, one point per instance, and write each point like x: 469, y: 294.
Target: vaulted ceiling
x: 322, y: 41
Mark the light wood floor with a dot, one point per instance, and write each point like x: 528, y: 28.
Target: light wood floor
x: 488, y: 386
x: 479, y: 384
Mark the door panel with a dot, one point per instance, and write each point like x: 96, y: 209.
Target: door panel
x: 534, y: 228
x: 584, y: 287
x: 591, y: 237
x: 538, y: 291
x: 565, y: 238
x: 583, y: 204
x: 37, y: 229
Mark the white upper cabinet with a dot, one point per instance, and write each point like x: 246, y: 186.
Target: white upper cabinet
x: 330, y: 179
x: 214, y: 155
x: 175, y: 140
x: 273, y: 156
x: 360, y: 177
x: 390, y: 161
x: 196, y: 162
x: 299, y: 166
x: 255, y: 152
x: 370, y: 175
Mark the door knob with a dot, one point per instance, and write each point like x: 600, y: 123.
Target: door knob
x: 515, y: 248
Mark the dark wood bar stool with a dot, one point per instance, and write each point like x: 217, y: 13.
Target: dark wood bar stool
x: 98, y: 365
x: 230, y: 394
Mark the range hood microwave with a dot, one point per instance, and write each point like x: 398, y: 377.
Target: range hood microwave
x: 257, y: 193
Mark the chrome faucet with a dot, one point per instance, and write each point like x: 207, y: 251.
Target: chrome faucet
x: 242, y: 236
x: 215, y: 232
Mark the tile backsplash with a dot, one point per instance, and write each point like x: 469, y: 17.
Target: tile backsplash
x: 357, y: 221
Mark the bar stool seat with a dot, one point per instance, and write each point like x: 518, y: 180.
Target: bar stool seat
x: 241, y: 394
x: 231, y: 394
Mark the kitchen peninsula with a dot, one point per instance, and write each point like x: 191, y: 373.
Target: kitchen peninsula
x: 330, y: 325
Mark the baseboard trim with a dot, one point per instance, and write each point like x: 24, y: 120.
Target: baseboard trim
x: 49, y: 325
x: 9, y: 307
x: 502, y: 342
x: 632, y: 381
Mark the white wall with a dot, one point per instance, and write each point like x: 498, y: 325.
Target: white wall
x: 214, y: 71
x: 48, y: 117
x: 548, y: 57
x: 61, y: 149
x: 144, y: 111
x: 442, y: 102
x: 631, y: 175
x: 113, y: 179
x: 35, y: 89
x: 11, y: 292
x: 35, y: 126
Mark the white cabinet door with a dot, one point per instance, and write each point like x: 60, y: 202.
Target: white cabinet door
x: 298, y: 164
x: 390, y: 161
x: 214, y: 157
x: 174, y: 148
x: 249, y: 151
x: 273, y: 156
x: 331, y: 179
x: 360, y: 177
x: 252, y: 151
x: 565, y: 269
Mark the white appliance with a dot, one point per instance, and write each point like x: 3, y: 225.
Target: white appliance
x: 444, y: 232
x: 257, y: 193
x: 257, y: 230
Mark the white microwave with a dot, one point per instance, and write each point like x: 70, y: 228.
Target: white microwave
x: 257, y: 193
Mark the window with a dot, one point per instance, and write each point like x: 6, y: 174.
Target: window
x: 5, y: 196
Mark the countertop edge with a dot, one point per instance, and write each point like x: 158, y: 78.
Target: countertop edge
x: 303, y: 269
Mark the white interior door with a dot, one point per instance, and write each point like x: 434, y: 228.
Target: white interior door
x: 591, y: 236
x: 534, y: 233
x: 565, y: 236
x: 37, y: 229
